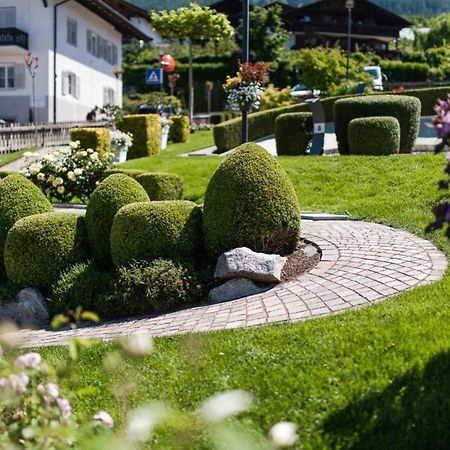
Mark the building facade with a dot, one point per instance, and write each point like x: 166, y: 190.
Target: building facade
x: 78, y: 44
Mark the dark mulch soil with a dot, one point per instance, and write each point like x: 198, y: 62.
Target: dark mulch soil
x: 302, y: 260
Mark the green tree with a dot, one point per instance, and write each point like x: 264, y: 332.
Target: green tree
x: 190, y: 24
x: 268, y: 37
x: 439, y: 34
x: 324, y: 69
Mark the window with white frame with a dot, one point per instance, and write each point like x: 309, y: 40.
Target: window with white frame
x: 70, y: 84
x: 72, y: 31
x: 8, y: 17
x: 7, y: 76
x: 109, y: 96
x: 102, y: 48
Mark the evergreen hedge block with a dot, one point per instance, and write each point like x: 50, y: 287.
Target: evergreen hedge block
x: 146, y: 131
x: 96, y: 138
x: 180, y: 129
x: 293, y: 133
x: 374, y: 136
x: 161, y: 186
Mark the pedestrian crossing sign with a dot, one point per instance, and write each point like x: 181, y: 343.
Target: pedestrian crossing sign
x: 154, y: 76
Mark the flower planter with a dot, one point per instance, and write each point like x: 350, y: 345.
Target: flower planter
x: 164, y: 136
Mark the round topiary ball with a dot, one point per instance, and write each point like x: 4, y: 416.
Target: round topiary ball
x: 146, y: 231
x: 250, y: 202
x: 19, y: 198
x: 116, y: 191
x: 39, y: 247
x: 374, y: 136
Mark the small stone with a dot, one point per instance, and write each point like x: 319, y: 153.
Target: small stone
x: 310, y: 250
x: 29, y: 309
x: 236, y: 288
x: 243, y: 262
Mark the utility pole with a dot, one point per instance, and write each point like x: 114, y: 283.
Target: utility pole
x: 349, y: 4
x: 245, y: 57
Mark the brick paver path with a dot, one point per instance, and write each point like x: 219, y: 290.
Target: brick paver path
x: 362, y: 263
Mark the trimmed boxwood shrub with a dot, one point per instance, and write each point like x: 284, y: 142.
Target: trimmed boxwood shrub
x: 96, y: 138
x: 147, y: 231
x: 251, y: 202
x: 7, y: 173
x: 161, y: 186
x: 374, y: 136
x: 156, y: 286
x: 404, y: 108
x: 133, y: 173
x: 146, y: 131
x: 405, y: 71
x: 179, y: 129
x: 85, y: 285
x: 111, y: 194
x: 19, y: 198
x: 293, y: 132
x: 39, y: 247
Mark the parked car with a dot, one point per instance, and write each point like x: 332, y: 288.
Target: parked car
x: 378, y: 78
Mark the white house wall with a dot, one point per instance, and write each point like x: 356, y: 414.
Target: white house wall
x: 93, y: 73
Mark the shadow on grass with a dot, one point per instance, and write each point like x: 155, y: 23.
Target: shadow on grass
x: 411, y: 413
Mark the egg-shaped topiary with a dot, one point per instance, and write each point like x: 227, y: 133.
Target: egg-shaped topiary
x: 39, y: 247
x: 19, y: 198
x: 250, y: 202
x: 114, y: 192
x: 146, y: 231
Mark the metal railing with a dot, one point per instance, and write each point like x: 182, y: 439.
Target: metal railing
x: 15, y: 137
x: 13, y: 36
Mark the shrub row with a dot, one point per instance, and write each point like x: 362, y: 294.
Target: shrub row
x: 179, y: 129
x: 96, y: 138
x: 146, y: 131
x: 405, y: 71
x: 293, y: 132
x: 405, y: 109
x: 223, y: 116
x: 227, y: 135
x: 374, y: 136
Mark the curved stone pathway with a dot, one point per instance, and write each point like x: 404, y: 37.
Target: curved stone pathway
x: 362, y: 263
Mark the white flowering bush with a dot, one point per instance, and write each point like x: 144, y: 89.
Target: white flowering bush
x: 66, y: 174
x: 36, y: 413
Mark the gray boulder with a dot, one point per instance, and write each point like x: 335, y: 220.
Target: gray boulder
x: 29, y: 309
x: 243, y: 262
x: 234, y: 289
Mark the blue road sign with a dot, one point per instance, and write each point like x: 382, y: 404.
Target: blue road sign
x: 154, y: 76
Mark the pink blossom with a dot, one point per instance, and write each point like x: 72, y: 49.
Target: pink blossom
x: 17, y: 383
x: 65, y: 409
x: 104, y: 418
x: 29, y: 360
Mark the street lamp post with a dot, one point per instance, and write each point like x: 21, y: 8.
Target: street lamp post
x: 245, y: 58
x: 349, y: 4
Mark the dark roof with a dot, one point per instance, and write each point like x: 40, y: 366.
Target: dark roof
x: 127, y: 9
x: 103, y: 9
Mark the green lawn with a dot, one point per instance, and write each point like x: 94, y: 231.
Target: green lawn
x: 10, y: 157
x: 375, y: 378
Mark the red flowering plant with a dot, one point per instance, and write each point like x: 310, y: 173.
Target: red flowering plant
x: 441, y: 122
x: 245, y: 89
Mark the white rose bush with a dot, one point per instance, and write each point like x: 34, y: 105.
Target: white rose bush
x: 68, y: 174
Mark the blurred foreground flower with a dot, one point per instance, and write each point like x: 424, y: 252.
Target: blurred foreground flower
x: 283, y: 435
x: 138, y: 345
x: 143, y: 420
x: 225, y: 404
x: 103, y: 418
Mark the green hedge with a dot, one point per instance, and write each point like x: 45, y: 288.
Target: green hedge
x: 133, y: 173
x: 180, y: 129
x: 405, y: 71
x: 374, y: 136
x: 223, y: 116
x: 161, y: 186
x: 227, y: 135
x: 147, y: 231
x: 96, y: 138
x: 146, y: 131
x: 250, y: 202
x: 19, y: 198
x: 39, y: 247
x: 293, y: 132
x: 116, y: 191
x: 404, y: 108
x: 7, y: 173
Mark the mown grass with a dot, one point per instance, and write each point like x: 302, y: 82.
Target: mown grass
x: 375, y: 378
x: 10, y: 157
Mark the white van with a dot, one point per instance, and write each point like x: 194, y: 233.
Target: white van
x: 377, y: 76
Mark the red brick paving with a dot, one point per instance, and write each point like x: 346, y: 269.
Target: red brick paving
x: 362, y: 263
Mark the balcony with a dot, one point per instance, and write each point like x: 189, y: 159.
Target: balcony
x: 13, y: 37
x: 341, y: 29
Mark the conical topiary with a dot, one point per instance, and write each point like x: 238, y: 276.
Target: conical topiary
x: 250, y: 201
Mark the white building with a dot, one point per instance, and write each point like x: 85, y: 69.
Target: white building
x: 78, y: 44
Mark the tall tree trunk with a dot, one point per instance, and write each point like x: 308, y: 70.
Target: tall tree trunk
x: 191, y: 84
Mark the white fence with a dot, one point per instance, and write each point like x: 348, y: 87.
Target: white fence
x: 15, y: 137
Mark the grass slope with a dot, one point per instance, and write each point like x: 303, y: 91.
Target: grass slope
x: 10, y: 157
x: 375, y: 378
